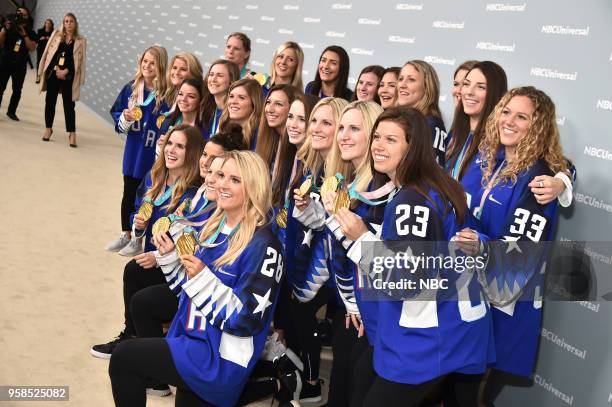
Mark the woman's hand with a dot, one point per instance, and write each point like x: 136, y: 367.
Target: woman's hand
x: 139, y: 222
x: 301, y: 202
x: 128, y: 115
x: 351, y: 224
x: 162, y: 139
x: 193, y: 265
x: 468, y: 241
x: 146, y: 260
x: 61, y: 74
x: 357, y: 323
x: 328, y: 202
x: 546, y: 189
x: 163, y: 243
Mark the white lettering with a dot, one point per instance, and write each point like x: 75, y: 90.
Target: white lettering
x: 334, y: 34
x: 312, y: 20
x: 367, y: 21
x: 267, y: 18
x: 447, y: 24
x: 251, y: 7
x: 262, y: 41
x: 553, y: 74
x: 506, y: 7
x: 338, y: 6
x: 564, y: 30
x: 408, y: 6
x: 361, y: 51
x: 246, y: 28
x: 493, y: 46
x: 438, y: 60
x: 285, y: 31
x: 397, y: 38
x: 604, y: 104
x: 598, y: 152
x: 290, y: 7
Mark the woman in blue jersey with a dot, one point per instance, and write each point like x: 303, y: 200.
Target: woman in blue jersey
x: 273, y: 122
x: 134, y: 112
x: 418, y: 87
x: 220, y: 76
x: 349, y: 157
x: 225, y: 307
x: 286, y: 67
x: 174, y: 178
x: 182, y: 66
x: 521, y: 140
x: 332, y: 75
x: 243, y: 106
x: 387, y: 90
x: 368, y: 83
x: 417, y: 342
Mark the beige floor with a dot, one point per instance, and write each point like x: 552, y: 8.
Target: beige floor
x: 60, y: 292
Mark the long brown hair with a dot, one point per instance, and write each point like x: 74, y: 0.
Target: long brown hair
x: 199, y: 86
x: 377, y: 70
x: 268, y: 138
x: 497, y: 85
x: 209, y: 105
x: 418, y: 168
x: 191, y: 170
x: 541, y: 141
x: 253, y: 88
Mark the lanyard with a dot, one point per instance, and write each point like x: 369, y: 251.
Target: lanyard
x: 455, y: 171
x: 213, y: 129
x: 209, y: 243
x: 487, y: 191
x: 366, y: 197
x: 162, y: 198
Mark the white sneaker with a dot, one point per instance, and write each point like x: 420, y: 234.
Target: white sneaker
x: 133, y: 248
x: 273, y: 348
x: 118, y: 244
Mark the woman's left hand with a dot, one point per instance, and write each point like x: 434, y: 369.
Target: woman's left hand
x: 546, y: 189
x: 146, y: 260
x: 192, y: 265
x: 351, y: 224
x: 61, y: 73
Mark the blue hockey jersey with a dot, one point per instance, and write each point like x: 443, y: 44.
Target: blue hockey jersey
x: 139, y: 152
x: 438, y: 135
x: 220, y: 328
x: 419, y: 340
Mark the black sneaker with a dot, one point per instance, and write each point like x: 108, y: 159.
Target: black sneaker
x: 160, y: 390
x: 105, y: 350
x: 311, y: 393
x: 288, y: 362
x: 290, y: 387
x: 13, y: 116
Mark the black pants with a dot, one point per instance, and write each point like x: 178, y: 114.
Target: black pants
x: 136, y: 363
x: 369, y: 389
x: 344, y: 342
x: 135, y: 278
x: 55, y: 86
x: 130, y: 186
x: 305, y: 319
x: 17, y: 73
x: 150, y: 308
x: 141, y: 362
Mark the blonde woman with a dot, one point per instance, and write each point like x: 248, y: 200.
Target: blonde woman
x: 182, y: 66
x: 62, y: 69
x: 521, y: 141
x: 135, y: 111
x: 215, y: 341
x: 418, y: 87
x: 243, y: 106
x: 286, y: 67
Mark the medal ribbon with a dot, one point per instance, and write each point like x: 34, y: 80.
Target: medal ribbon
x: 167, y: 193
x: 478, y: 210
x: 213, y: 129
x: 209, y: 243
x: 366, y: 197
x: 455, y: 171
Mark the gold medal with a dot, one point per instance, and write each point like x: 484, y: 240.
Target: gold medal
x: 305, y: 187
x: 329, y: 185
x: 162, y: 225
x: 281, y: 218
x: 342, y: 200
x: 160, y: 120
x: 146, y: 210
x: 137, y: 113
x: 261, y: 78
x: 186, y: 244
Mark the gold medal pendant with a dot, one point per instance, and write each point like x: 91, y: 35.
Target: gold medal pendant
x: 305, y: 187
x: 162, y: 225
x: 186, y: 244
x: 137, y: 113
x: 342, y: 200
x: 160, y: 120
x: 329, y: 185
x: 146, y: 210
x: 281, y: 218
x: 261, y: 78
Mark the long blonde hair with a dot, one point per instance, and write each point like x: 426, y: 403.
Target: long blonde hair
x: 191, y: 170
x: 312, y: 160
x: 253, y: 88
x: 362, y: 173
x: 541, y: 141
x: 159, y: 83
x: 257, y: 204
x: 62, y: 30
x: 296, y: 80
x: 194, y: 70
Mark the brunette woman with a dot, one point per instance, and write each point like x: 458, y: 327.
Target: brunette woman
x: 218, y: 79
x: 368, y: 83
x: 243, y: 106
x: 332, y: 75
x: 387, y: 90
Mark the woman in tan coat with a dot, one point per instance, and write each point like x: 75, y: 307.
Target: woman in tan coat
x: 62, y: 70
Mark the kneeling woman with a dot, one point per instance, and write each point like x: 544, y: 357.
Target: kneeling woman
x: 226, y: 306
x: 426, y: 206
x: 174, y: 178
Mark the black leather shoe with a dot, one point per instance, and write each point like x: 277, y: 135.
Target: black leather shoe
x: 12, y: 116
